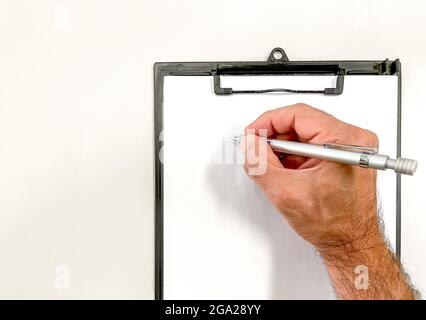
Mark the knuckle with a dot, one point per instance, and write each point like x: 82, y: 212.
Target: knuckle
x: 371, y: 139
x: 303, y: 106
x: 315, y: 112
x: 354, y: 135
x: 266, y: 114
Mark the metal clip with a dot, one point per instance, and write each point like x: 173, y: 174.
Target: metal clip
x: 353, y: 148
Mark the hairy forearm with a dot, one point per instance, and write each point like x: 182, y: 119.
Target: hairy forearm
x: 367, y: 269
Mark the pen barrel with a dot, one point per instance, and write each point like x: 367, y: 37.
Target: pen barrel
x: 316, y: 151
x: 363, y: 159
x: 376, y: 161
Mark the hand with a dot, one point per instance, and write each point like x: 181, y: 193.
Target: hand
x: 333, y: 206
x: 328, y: 204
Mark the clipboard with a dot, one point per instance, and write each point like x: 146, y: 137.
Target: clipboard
x: 276, y: 64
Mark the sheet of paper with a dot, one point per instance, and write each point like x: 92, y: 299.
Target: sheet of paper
x: 222, y: 238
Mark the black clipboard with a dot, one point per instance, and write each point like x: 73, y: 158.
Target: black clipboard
x: 276, y: 64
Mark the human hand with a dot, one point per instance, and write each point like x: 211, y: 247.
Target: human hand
x: 331, y: 205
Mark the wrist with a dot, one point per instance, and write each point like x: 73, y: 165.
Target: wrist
x: 366, y: 250
x: 352, y: 240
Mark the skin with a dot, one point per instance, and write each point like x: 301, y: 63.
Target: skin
x: 333, y: 206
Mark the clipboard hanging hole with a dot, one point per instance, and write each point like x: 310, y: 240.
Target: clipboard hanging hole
x: 278, y: 55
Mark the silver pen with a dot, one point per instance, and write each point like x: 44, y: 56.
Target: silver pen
x: 364, y: 157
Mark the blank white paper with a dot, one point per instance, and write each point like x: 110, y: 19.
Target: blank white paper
x: 222, y: 238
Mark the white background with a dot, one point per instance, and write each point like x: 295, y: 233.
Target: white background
x: 76, y: 121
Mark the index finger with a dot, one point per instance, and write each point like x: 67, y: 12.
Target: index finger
x: 306, y: 121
